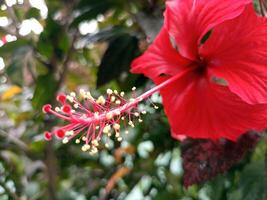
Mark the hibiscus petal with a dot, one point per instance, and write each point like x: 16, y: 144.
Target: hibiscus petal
x: 160, y: 58
x: 199, y: 108
x: 189, y: 20
x: 237, y: 50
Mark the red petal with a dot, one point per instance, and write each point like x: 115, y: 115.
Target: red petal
x: 238, y: 51
x: 199, y: 108
x: 160, y: 58
x: 189, y: 20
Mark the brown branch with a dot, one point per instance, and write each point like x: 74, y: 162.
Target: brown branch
x: 67, y: 59
x: 51, y: 160
x: 15, y: 140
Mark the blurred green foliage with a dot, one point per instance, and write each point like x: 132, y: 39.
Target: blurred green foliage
x: 90, y: 44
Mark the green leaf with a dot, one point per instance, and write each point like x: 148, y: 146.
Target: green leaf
x: 13, y: 46
x: 253, y: 182
x: 14, y: 72
x: 44, y: 93
x: 117, y: 58
x: 105, y: 34
x: 33, y: 13
x: 91, y: 9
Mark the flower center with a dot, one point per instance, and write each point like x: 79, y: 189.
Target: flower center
x: 201, y: 66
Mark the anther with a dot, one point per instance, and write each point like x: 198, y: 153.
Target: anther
x: 118, y: 102
x: 73, y: 94
x: 101, y: 100
x: 112, y: 99
x: 116, y: 126
x: 109, y: 91
x: 106, y: 129
x: 57, y: 109
x: 69, y: 133
x: 70, y: 98
x: 65, y: 140
x: 136, y: 114
x: 109, y: 115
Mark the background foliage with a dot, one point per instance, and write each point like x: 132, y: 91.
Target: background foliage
x: 90, y: 44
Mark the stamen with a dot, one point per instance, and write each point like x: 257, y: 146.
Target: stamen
x: 89, y: 118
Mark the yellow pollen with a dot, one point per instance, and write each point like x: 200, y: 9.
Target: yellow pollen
x: 73, y: 94
x: 112, y: 99
x: 69, y: 133
x: 70, y: 98
x: 118, y: 102
x: 134, y: 88
x: 117, y: 112
x: 109, y: 91
x: 116, y: 126
x: 82, y: 92
x: 117, y: 134
x: 101, y: 100
x: 106, y: 129
x: 85, y: 147
x: 115, y: 92
x: 65, y: 140
x: 131, y: 124
x: 95, y: 143
x: 136, y: 114
x: 109, y: 115
x: 122, y: 94
x: 57, y: 109
x: 77, y: 141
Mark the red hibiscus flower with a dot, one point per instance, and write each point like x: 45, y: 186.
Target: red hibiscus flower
x: 220, y: 50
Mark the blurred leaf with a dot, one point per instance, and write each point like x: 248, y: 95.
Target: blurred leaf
x: 33, y: 13
x: 104, y: 34
x: 14, y: 72
x: 10, y: 92
x: 117, y: 58
x: 13, y: 46
x: 46, y: 87
x: 53, y: 41
x: 91, y: 9
x: 253, y: 182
